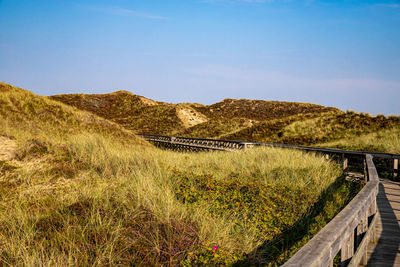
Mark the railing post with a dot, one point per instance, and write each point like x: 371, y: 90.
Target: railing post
x: 366, y: 179
x: 247, y: 145
x: 373, y: 211
x: 362, y: 229
x: 344, y: 162
x: 395, y: 167
x: 347, y: 250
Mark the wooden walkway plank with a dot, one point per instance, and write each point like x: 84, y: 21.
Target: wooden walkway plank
x: 387, y: 251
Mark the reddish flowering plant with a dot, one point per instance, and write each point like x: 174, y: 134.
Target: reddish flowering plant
x: 215, y: 248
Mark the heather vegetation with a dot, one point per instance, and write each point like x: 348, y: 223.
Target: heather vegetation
x: 131, y: 111
x: 147, y: 116
x: 259, y: 110
x: 78, y: 189
x: 215, y: 128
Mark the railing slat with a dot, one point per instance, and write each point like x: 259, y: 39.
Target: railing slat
x: 361, y: 253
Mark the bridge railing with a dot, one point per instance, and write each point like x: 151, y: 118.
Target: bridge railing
x: 197, y: 143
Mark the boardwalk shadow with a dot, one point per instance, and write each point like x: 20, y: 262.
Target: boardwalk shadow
x: 387, y: 248
x: 276, y: 251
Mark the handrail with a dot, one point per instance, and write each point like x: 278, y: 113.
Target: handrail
x: 191, y: 138
x: 306, y: 148
x: 196, y: 143
x: 340, y: 233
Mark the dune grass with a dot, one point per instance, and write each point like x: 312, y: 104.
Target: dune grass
x: 96, y: 201
x: 387, y: 140
x: 84, y: 191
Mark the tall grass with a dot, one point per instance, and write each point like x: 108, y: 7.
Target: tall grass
x: 387, y: 140
x: 121, y: 198
x: 262, y: 164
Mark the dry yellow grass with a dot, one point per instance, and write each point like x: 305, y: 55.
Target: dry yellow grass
x: 387, y: 140
x: 112, y: 184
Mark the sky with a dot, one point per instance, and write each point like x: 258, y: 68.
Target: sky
x: 344, y: 54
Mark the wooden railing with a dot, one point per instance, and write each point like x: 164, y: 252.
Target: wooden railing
x: 188, y: 143
x: 349, y: 232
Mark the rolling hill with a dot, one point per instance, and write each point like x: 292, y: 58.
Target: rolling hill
x: 143, y: 115
x: 249, y: 120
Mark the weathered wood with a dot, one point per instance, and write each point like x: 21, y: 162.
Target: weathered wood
x: 179, y: 145
x: 360, y: 256
x: 347, y: 250
x: 362, y: 231
x: 345, y: 162
x: 386, y: 250
x: 395, y: 167
x: 366, y: 178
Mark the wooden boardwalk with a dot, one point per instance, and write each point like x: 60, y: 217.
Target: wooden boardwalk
x: 386, y: 252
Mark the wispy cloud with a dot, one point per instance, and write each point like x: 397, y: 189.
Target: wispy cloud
x: 246, y: 1
x: 305, y: 2
x: 360, y: 93
x: 119, y: 11
x: 257, y: 1
x: 389, y: 5
x: 257, y: 78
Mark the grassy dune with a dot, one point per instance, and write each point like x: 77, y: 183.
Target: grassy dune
x: 250, y: 120
x: 189, y: 119
x: 131, y: 111
x: 318, y: 129
x: 259, y: 110
x: 26, y: 115
x: 81, y: 190
x: 380, y: 141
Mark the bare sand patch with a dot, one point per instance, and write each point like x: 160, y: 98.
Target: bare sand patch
x: 8, y: 148
x: 190, y: 117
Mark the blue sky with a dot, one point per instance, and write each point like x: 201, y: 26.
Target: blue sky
x: 335, y: 53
